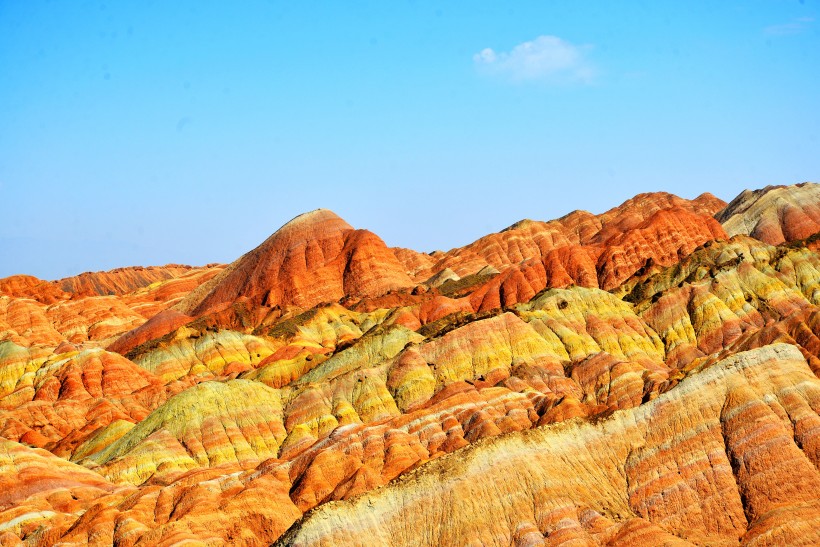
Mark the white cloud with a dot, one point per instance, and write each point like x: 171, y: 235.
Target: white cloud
x: 796, y: 26
x: 547, y: 58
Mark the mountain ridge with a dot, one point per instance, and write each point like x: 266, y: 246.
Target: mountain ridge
x: 638, y: 376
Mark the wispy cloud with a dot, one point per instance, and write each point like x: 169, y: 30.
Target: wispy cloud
x: 547, y: 58
x: 796, y: 26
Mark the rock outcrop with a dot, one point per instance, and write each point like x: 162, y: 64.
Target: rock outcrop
x: 315, y: 258
x: 59, y: 400
x: 634, y: 377
x: 774, y: 214
x: 708, y: 462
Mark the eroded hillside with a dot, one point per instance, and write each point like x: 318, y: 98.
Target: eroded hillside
x: 644, y: 376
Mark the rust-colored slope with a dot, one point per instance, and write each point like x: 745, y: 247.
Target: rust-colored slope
x: 774, y: 214
x: 647, y: 231
x: 663, y: 238
x: 635, y: 211
x: 58, y: 401
x: 530, y: 239
x: 160, y: 295
x: 317, y: 257
x: 28, y: 286
x: 709, y: 462
x: 121, y: 280
x: 38, y: 312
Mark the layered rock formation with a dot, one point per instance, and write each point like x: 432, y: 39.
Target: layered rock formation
x: 774, y: 214
x: 584, y: 249
x: 33, y: 311
x: 634, y: 377
x: 316, y: 257
x: 59, y: 400
x: 709, y: 462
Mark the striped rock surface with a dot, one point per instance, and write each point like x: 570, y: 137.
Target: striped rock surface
x: 774, y: 214
x: 727, y: 456
x: 324, y: 374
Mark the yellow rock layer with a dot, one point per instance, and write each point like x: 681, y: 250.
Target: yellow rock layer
x: 206, y: 355
x: 207, y: 425
x: 676, y: 466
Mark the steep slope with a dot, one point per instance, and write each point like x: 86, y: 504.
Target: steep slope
x: 38, y: 488
x: 708, y: 462
x: 774, y: 214
x: 634, y: 377
x: 316, y: 257
x: 60, y: 400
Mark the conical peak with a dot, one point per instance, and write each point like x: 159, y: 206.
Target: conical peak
x: 317, y: 216
x: 523, y: 223
x: 316, y: 224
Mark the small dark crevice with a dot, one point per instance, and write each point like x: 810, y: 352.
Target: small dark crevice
x: 735, y: 465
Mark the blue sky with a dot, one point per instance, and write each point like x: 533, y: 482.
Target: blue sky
x: 156, y: 132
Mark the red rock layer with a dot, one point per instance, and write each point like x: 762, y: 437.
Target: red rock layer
x: 59, y: 402
x: 648, y: 231
x: 664, y: 238
x: 120, y: 280
x: 28, y: 286
x: 660, y: 240
x: 317, y: 257
x: 533, y: 239
x: 774, y: 214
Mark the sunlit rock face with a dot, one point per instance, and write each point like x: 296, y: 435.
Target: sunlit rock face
x: 61, y: 400
x: 720, y: 459
x: 585, y: 249
x: 774, y: 214
x: 103, y: 308
x: 629, y: 378
x: 317, y: 257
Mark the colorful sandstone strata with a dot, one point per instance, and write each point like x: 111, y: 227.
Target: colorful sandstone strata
x: 647, y: 376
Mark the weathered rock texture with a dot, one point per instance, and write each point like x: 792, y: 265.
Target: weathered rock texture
x: 59, y: 401
x: 634, y: 377
x: 33, y: 311
x: 774, y: 214
x: 584, y: 249
x: 728, y: 456
x: 316, y: 257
